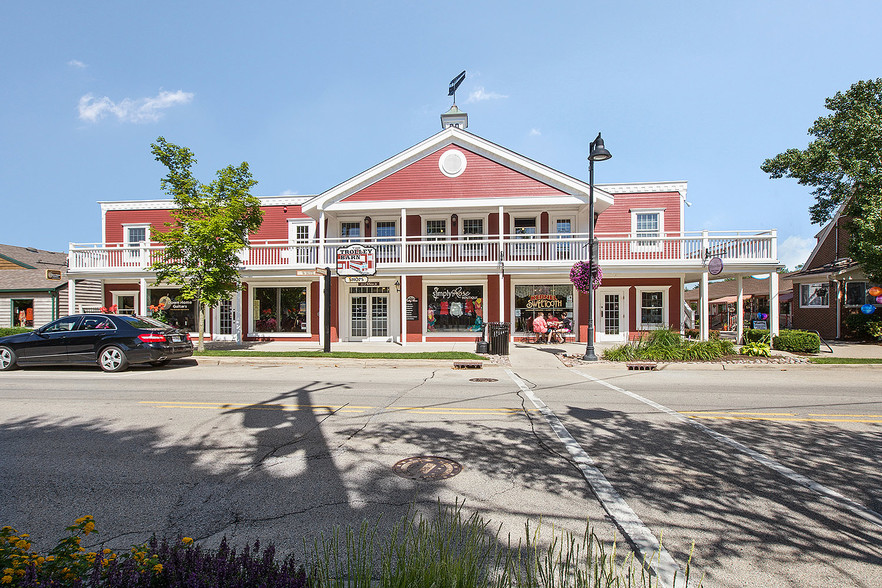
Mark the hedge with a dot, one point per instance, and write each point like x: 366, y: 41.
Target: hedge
x: 799, y: 341
x: 865, y: 326
x: 13, y: 330
x: 756, y: 335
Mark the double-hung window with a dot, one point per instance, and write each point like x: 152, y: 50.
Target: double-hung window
x: 652, y: 307
x: 135, y: 236
x: 473, y: 230
x: 300, y: 236
x: 814, y: 295
x: 350, y: 231
x: 563, y: 228
x: 385, y: 233
x: 524, y: 228
x: 436, y: 230
x: 647, y: 227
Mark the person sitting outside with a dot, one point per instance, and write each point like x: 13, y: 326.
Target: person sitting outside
x: 540, y: 327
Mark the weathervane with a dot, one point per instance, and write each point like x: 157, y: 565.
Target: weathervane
x: 454, y: 84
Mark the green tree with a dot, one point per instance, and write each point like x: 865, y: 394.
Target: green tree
x: 844, y: 165
x: 210, y: 228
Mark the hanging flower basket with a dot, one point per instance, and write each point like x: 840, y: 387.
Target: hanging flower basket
x: 581, y: 277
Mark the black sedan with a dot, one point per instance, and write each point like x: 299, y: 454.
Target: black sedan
x: 111, y: 341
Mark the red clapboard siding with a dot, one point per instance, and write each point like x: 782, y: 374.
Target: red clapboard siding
x: 275, y: 221
x: 482, y: 178
x: 617, y: 218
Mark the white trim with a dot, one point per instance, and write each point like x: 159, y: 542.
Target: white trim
x: 645, y: 188
x: 166, y: 204
x: 448, y: 156
x: 115, y: 294
x: 638, y: 299
x: 393, y: 318
x: 820, y: 284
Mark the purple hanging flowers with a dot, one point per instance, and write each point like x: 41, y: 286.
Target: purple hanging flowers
x: 580, y: 276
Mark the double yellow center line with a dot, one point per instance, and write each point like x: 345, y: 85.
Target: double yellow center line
x: 784, y: 417
x: 344, y: 408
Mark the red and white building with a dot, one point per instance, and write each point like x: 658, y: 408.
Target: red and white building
x: 463, y: 231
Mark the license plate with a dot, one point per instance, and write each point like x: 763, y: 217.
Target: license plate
x: 175, y: 338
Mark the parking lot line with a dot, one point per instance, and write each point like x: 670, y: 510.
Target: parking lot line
x: 828, y: 493
x: 612, y: 502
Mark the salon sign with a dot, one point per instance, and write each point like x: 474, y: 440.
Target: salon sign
x: 356, y: 260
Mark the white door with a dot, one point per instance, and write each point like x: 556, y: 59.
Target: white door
x: 369, y: 317
x: 226, y: 318
x: 611, y: 318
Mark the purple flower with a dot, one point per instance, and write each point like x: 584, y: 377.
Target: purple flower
x: 581, y: 277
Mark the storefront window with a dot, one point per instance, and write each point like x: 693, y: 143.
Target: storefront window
x: 23, y: 313
x: 455, y: 309
x: 167, y: 306
x: 551, y: 299
x: 280, y: 310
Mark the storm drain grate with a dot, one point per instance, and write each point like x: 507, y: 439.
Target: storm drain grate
x: 641, y: 365
x: 427, y: 467
x: 483, y: 380
x: 467, y: 365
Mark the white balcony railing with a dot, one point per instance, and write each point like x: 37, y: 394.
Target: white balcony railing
x: 473, y: 250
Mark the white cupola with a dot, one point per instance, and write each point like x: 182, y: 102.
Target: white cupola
x: 454, y: 118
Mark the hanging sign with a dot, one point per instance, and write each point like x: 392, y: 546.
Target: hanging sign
x: 715, y: 266
x: 356, y: 260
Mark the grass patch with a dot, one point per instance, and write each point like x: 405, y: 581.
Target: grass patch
x: 844, y: 360
x: 339, y: 354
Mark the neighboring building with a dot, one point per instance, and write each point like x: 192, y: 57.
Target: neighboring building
x: 830, y: 286
x: 723, y: 299
x: 464, y: 232
x: 34, y: 284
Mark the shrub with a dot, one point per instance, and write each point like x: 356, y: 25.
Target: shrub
x: 13, y: 330
x: 865, y: 326
x: 696, y: 333
x: 798, y: 341
x: 755, y: 335
x: 756, y: 349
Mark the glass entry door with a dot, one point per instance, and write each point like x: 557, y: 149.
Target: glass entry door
x: 369, y: 315
x: 611, y: 319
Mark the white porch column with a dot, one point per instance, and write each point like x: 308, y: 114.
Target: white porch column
x: 739, y: 313
x: 321, y: 240
x: 237, y: 315
x: 501, y: 266
x: 321, y: 263
x: 72, y: 296
x: 704, y: 316
x: 403, y: 239
x: 774, y: 306
x: 142, y: 302
x: 403, y: 310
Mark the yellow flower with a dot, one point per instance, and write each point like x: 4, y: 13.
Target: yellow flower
x: 50, y: 558
x: 106, y: 551
x: 22, y: 544
x: 90, y: 526
x: 41, y: 560
x: 7, y: 571
x: 6, y: 580
x: 187, y: 540
x: 157, y: 568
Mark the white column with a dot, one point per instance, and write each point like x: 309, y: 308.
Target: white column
x: 739, y: 313
x: 72, y: 296
x: 237, y: 315
x: 142, y: 302
x: 321, y: 240
x: 403, y: 310
x: 501, y: 265
x: 321, y: 263
x: 773, y: 304
x: 704, y: 317
x: 403, y: 239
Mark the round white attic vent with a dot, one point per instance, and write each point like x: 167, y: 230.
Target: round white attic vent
x: 452, y: 163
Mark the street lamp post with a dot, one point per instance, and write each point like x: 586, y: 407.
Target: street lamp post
x: 597, y: 152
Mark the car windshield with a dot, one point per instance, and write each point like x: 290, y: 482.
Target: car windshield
x: 144, y: 322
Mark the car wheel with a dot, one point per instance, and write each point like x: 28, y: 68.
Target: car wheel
x: 7, y: 359
x: 160, y: 363
x: 112, y: 359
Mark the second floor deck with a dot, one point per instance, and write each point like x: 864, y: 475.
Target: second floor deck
x: 475, y: 252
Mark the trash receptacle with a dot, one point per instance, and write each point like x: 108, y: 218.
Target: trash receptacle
x: 499, y: 333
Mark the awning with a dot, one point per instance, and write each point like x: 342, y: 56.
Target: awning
x: 729, y: 299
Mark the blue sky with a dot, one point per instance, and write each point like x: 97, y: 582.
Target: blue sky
x: 310, y: 94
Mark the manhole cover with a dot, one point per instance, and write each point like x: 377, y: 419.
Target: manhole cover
x: 427, y: 467
x: 483, y: 380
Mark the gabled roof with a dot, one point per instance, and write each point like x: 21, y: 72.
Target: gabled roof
x: 32, y: 258
x: 560, y: 188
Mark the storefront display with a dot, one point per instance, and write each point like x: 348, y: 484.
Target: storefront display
x: 455, y: 309
x: 280, y: 310
x: 166, y: 305
x: 550, y: 299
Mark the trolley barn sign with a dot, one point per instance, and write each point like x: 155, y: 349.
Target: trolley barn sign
x: 356, y: 260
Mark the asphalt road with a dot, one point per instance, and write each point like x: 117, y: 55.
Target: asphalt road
x: 772, y: 472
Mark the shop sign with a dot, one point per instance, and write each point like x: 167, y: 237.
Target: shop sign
x: 762, y: 325
x: 544, y: 301
x: 356, y: 260
x: 53, y: 274
x: 412, y: 308
x: 356, y: 279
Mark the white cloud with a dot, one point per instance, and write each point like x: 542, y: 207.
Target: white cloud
x: 140, y: 110
x: 794, y: 250
x: 535, y: 132
x: 76, y: 63
x: 480, y: 95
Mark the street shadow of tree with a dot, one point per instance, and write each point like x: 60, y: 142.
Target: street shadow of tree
x: 729, y: 503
